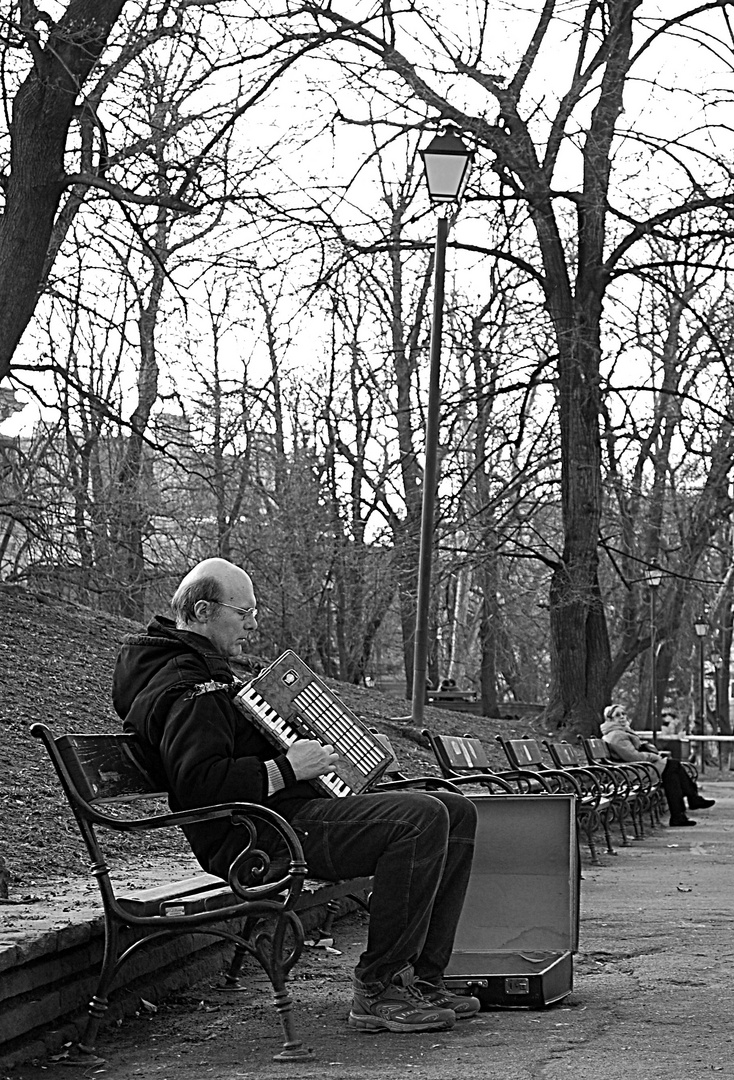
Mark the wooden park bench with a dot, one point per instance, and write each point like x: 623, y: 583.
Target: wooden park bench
x: 614, y: 784
x: 104, y: 782
x: 642, y: 776
x: 454, y: 700
x: 594, y: 805
x: 100, y: 777
x: 463, y: 761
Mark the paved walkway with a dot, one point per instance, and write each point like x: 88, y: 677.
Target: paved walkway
x: 652, y: 998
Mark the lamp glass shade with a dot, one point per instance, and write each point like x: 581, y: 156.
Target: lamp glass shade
x: 700, y: 626
x: 446, y: 161
x: 653, y: 576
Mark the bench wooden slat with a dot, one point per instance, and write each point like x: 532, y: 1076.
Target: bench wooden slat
x: 104, y: 768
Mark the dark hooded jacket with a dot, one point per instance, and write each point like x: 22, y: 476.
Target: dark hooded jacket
x: 175, y: 692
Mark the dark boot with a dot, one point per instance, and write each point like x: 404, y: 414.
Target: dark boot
x: 697, y: 802
x: 680, y: 822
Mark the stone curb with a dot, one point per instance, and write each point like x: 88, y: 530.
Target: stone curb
x: 48, y: 978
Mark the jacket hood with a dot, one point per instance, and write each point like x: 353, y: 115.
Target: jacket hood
x: 154, y: 668
x: 616, y: 724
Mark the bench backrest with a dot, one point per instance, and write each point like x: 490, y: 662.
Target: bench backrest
x: 596, y: 750
x: 99, y: 768
x: 459, y: 755
x: 563, y: 754
x: 522, y: 753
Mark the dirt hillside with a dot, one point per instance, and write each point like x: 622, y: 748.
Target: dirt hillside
x: 56, y: 662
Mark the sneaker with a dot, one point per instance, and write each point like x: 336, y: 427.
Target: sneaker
x: 463, y: 1005
x: 400, y: 1008
x: 699, y: 803
x: 680, y: 822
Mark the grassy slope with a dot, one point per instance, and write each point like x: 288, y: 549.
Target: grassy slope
x: 56, y: 662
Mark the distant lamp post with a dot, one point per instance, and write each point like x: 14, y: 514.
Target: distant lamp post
x: 653, y: 576
x: 701, y: 628
x: 328, y: 591
x: 446, y: 161
x: 720, y: 688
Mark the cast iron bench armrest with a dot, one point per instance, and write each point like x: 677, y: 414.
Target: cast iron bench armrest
x: 619, y: 780
x: 534, y: 779
x: 602, y: 792
x: 588, y: 786
x: 424, y: 783
x: 648, y: 775
x: 485, y: 779
x: 604, y: 776
x: 564, y: 777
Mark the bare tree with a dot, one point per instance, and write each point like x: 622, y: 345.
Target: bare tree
x: 564, y: 152
x: 669, y: 444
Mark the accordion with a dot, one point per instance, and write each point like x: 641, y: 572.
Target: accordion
x: 287, y: 701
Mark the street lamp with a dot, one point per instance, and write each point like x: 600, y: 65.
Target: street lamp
x: 328, y: 590
x: 701, y: 626
x: 653, y: 577
x: 446, y: 161
x: 721, y: 698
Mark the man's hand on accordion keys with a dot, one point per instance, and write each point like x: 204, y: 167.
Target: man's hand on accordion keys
x: 309, y: 758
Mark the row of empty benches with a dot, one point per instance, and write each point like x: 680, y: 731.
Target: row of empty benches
x: 628, y: 795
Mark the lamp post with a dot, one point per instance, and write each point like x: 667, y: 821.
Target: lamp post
x: 701, y: 626
x: 446, y: 161
x: 328, y: 590
x: 653, y: 577
x: 720, y: 691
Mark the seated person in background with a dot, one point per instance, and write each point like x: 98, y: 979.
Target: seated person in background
x: 670, y: 725
x: 174, y: 688
x: 626, y: 745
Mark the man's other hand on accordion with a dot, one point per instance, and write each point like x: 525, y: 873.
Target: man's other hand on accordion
x: 309, y: 759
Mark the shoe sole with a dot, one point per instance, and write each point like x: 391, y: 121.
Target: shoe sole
x: 466, y: 1015
x: 375, y: 1024
x: 462, y: 1013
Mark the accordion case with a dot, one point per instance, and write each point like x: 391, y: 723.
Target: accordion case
x: 519, y: 927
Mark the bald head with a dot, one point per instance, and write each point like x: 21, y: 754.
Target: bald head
x: 216, y: 599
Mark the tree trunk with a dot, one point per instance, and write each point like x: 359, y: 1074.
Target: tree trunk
x: 488, y: 635
x: 43, y: 109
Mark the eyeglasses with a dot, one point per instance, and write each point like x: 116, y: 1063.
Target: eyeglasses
x: 245, y: 612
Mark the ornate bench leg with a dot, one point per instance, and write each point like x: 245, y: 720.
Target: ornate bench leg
x: 293, y: 1048
x: 98, y: 1004
x: 270, y: 951
x: 621, y: 811
x: 333, y: 910
x: 97, y: 1009
x: 604, y: 818
x: 232, y: 975
x: 590, y: 822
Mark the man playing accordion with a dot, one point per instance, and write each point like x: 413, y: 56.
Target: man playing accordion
x: 174, y: 688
